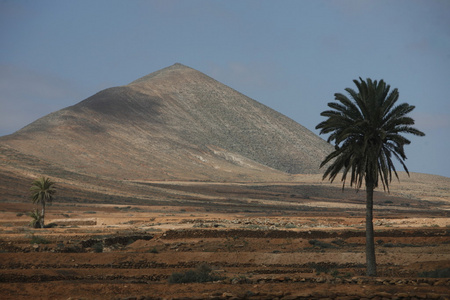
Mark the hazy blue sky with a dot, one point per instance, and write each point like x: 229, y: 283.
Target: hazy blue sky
x: 290, y: 55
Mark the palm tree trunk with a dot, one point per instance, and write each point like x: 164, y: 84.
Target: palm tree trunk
x: 370, y: 239
x: 43, y: 214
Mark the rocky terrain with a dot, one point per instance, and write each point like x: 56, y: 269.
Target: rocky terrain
x: 266, y: 240
x: 281, y: 248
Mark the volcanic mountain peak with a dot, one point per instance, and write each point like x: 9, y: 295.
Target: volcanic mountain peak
x: 175, y: 123
x: 176, y: 68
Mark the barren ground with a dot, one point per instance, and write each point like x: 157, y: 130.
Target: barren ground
x: 271, y: 243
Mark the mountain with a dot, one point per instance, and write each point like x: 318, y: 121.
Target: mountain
x: 174, y: 124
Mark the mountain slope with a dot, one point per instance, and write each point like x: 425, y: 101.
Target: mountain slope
x: 176, y: 123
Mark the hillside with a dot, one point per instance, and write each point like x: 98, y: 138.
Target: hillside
x: 173, y: 124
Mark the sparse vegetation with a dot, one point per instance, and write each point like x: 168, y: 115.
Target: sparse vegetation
x: 38, y: 240
x: 154, y: 250
x: 51, y: 225
x: 201, y: 274
x: 339, y: 242
x: 320, y: 268
x: 98, y: 247
x: 175, y: 254
x: 438, y: 273
x: 127, y: 208
x: 321, y: 244
x: 400, y: 245
x: 334, y: 273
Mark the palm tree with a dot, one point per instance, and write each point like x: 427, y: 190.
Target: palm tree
x: 36, y: 218
x: 367, y: 132
x: 42, y: 191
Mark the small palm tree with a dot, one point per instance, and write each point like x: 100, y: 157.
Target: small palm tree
x: 36, y: 218
x: 367, y: 133
x: 42, y: 191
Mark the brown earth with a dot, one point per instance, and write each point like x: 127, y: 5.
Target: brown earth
x: 262, y: 241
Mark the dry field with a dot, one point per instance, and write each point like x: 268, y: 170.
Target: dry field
x: 258, y: 241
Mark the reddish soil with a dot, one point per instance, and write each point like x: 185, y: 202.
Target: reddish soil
x: 129, y: 252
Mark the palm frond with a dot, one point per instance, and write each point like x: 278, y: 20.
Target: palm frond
x: 366, y: 128
x: 42, y: 190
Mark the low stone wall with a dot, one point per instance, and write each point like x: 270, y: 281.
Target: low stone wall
x: 68, y: 222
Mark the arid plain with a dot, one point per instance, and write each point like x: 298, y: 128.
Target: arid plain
x: 298, y: 240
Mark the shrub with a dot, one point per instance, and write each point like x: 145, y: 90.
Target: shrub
x: 339, y: 242
x: 38, y: 240
x: 98, y: 247
x: 391, y: 245
x: 320, y: 267
x: 438, y: 273
x: 154, y: 250
x: 72, y: 249
x: 201, y: 274
x: 51, y: 225
x: 321, y: 244
x: 335, y: 273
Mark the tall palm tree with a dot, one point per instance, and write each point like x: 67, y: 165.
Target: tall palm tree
x: 367, y: 133
x: 42, y: 191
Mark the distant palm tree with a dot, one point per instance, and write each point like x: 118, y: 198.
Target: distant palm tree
x: 366, y: 131
x: 42, y: 191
